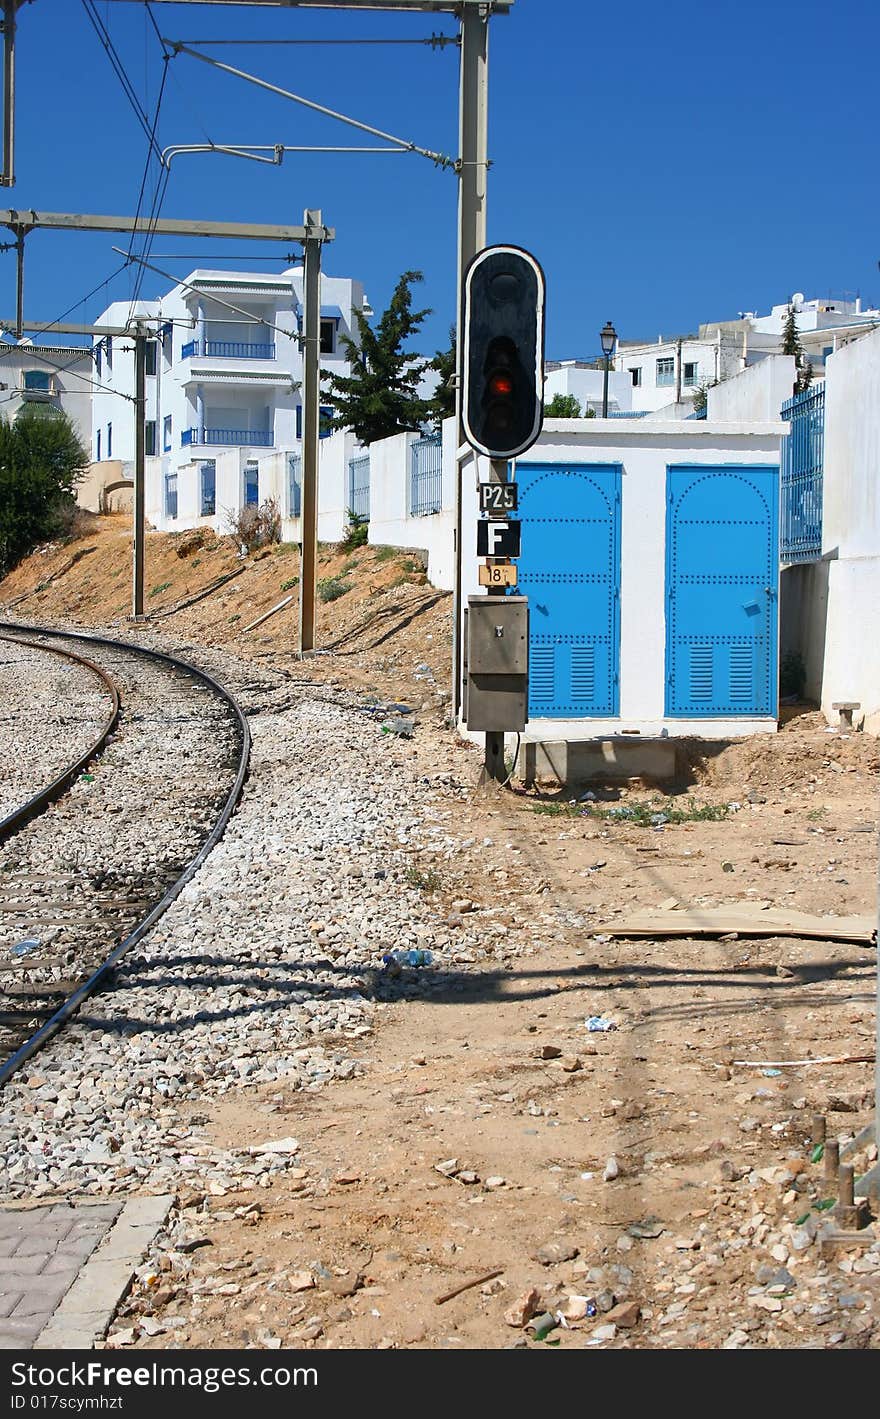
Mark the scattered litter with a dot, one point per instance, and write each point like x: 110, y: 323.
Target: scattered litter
x: 578, y: 1308
x: 25, y: 948
x: 406, y: 958
x: 599, y: 1025
x: 403, y: 728
x: 542, y: 1325
x: 771, y: 1073
x: 727, y: 867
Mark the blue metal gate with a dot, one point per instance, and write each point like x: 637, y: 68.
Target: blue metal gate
x: 803, y: 451
x: 570, y: 571
x: 359, y: 486
x: 722, y: 569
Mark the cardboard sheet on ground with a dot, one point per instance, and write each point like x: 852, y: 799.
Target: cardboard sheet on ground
x: 745, y: 920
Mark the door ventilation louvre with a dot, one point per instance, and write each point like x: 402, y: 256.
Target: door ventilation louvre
x: 701, y: 672
x: 583, y: 673
x: 741, y: 678
x: 542, y: 672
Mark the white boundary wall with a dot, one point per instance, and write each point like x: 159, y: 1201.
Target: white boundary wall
x: 851, y: 529
x: 392, y: 524
x: 757, y: 393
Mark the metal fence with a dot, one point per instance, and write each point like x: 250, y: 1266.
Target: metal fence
x: 294, y: 483
x: 425, y: 476
x: 803, y: 451
x: 359, y: 486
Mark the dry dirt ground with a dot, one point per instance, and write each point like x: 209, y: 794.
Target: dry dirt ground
x: 703, y: 1228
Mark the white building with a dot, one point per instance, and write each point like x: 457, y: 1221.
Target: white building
x: 824, y: 325
x: 581, y: 379
x: 665, y: 372
x: 47, y: 377
x: 669, y: 371
x: 223, y: 379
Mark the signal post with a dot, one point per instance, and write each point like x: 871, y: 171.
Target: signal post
x: 501, y: 381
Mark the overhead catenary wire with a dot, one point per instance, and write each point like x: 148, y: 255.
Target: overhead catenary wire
x: 118, y: 67
x: 439, y: 159
x: 436, y: 41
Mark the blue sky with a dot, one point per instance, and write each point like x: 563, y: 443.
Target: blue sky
x: 666, y: 164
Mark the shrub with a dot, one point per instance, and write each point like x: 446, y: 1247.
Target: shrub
x: 356, y: 533
x: 255, y: 527
x: 563, y: 406
x: 332, y: 587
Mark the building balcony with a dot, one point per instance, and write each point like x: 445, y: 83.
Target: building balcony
x: 227, y: 350
x: 231, y: 438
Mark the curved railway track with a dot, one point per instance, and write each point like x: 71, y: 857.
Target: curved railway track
x: 35, y: 803
x: 91, y: 861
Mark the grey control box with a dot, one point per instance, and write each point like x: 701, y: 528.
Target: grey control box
x: 496, y: 668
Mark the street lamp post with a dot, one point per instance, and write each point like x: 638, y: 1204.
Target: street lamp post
x: 608, y: 336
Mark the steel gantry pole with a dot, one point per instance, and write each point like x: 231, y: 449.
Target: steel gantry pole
x: 473, y: 139
x: 7, y: 179
x: 140, y: 465
x: 311, y: 348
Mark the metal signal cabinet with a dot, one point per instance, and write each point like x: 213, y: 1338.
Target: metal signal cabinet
x: 496, y: 666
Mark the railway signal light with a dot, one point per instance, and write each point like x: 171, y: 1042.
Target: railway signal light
x: 502, y: 375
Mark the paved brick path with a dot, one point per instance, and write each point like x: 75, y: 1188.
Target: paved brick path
x: 41, y: 1253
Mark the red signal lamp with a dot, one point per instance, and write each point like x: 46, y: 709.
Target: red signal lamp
x: 500, y: 385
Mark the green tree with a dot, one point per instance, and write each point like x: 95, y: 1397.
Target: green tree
x: 562, y: 406
x: 445, y: 362
x: 41, y: 462
x: 791, y: 345
x: 379, y: 397
x: 701, y: 395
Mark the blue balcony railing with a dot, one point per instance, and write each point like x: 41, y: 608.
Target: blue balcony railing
x: 233, y: 438
x: 228, y: 350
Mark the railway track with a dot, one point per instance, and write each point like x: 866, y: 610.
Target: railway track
x: 92, y: 859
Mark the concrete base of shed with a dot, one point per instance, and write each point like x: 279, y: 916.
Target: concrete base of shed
x: 578, y: 761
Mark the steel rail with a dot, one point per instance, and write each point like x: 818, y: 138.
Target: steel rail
x: 100, y: 975
x: 41, y: 800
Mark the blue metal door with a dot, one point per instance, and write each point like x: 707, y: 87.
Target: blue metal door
x: 570, y: 571
x: 722, y: 568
